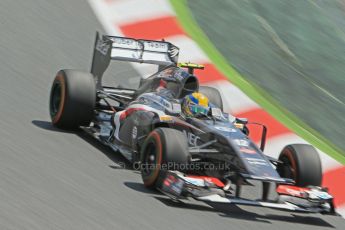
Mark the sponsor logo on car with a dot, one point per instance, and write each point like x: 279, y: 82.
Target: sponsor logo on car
x: 134, y: 132
x: 192, y: 138
x: 256, y: 161
x: 225, y: 129
x: 241, y: 142
x: 102, y: 47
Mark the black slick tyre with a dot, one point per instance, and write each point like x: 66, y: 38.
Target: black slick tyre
x: 164, y: 149
x: 301, y: 162
x: 72, y: 99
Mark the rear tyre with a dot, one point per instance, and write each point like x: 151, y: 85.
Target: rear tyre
x: 213, y: 95
x: 301, y: 162
x: 72, y: 99
x: 164, y: 149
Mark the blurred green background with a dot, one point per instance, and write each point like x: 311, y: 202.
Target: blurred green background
x: 294, y: 50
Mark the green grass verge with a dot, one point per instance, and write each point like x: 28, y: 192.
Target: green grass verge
x: 253, y: 91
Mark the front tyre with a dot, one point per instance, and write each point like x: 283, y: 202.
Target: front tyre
x: 72, y: 99
x: 301, y: 162
x: 164, y: 149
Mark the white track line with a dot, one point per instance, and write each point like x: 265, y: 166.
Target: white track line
x: 104, y: 15
x: 131, y: 11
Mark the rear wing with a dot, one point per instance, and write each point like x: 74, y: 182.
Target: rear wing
x: 108, y: 48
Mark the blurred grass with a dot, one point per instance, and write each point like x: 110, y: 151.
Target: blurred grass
x: 276, y: 46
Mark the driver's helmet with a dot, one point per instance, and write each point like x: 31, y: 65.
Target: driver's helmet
x: 195, y: 104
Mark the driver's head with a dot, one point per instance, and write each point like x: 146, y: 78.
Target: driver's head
x: 195, y: 104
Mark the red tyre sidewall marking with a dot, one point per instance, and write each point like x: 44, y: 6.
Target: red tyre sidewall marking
x: 159, y: 157
x: 61, y: 79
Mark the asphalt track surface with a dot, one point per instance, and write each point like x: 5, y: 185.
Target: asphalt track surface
x: 51, y: 179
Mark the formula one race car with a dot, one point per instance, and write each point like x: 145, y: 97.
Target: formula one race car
x: 208, y: 157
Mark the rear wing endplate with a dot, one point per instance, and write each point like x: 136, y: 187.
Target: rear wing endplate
x: 108, y: 48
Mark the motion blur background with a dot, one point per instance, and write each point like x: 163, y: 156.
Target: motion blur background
x: 294, y: 50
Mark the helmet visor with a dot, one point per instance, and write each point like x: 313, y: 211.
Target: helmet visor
x: 197, y: 109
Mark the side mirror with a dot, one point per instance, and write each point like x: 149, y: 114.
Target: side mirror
x: 242, y: 121
x: 216, y: 112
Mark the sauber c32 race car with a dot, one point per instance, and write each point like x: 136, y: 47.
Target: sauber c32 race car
x: 209, y: 158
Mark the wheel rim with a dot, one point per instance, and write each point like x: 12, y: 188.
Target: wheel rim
x: 55, y: 99
x: 150, y: 159
x: 287, y: 170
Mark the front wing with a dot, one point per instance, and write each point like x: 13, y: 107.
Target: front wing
x: 177, y: 186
